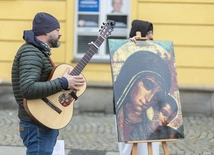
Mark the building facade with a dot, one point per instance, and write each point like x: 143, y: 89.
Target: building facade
x: 188, y: 23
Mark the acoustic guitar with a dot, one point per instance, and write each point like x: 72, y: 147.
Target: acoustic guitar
x: 56, y: 111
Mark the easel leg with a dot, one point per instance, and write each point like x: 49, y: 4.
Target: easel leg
x: 149, y: 144
x: 165, y: 150
x: 134, y: 149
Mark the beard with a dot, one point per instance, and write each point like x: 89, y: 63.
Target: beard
x: 54, y: 42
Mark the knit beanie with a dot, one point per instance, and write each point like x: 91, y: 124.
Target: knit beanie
x: 44, y: 23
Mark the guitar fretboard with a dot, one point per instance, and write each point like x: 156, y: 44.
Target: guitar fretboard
x: 87, y: 57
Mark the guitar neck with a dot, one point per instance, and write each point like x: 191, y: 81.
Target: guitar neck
x: 87, y: 57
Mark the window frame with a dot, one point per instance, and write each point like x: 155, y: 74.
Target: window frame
x: 101, y: 55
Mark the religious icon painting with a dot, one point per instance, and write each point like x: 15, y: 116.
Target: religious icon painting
x: 146, y: 95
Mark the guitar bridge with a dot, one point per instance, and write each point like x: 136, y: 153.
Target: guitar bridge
x: 49, y: 103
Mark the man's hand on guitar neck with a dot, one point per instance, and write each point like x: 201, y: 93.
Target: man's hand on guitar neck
x: 72, y: 81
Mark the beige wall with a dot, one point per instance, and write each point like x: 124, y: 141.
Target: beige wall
x: 188, y: 23
x: 16, y: 16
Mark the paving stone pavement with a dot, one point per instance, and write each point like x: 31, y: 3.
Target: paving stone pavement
x: 94, y: 134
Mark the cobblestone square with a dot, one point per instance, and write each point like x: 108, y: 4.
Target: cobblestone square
x: 95, y: 133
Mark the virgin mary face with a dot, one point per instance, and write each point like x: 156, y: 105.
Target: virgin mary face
x: 145, y: 93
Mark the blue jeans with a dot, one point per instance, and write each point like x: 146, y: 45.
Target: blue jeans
x: 38, y: 139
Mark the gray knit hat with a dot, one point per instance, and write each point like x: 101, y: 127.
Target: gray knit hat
x: 44, y: 23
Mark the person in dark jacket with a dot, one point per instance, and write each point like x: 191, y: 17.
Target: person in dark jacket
x: 144, y: 80
x: 30, y: 72
x: 146, y: 29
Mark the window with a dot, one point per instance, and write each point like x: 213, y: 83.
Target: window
x: 90, y: 15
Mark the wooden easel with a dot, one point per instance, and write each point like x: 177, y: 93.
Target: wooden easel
x: 138, y: 33
x: 149, y: 144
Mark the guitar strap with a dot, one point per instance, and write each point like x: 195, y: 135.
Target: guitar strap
x: 51, y: 61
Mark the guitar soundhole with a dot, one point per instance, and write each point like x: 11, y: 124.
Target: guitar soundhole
x: 65, y: 99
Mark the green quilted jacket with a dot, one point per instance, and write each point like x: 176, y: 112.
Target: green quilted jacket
x: 30, y: 71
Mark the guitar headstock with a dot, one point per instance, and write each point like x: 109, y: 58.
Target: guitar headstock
x: 107, y: 28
